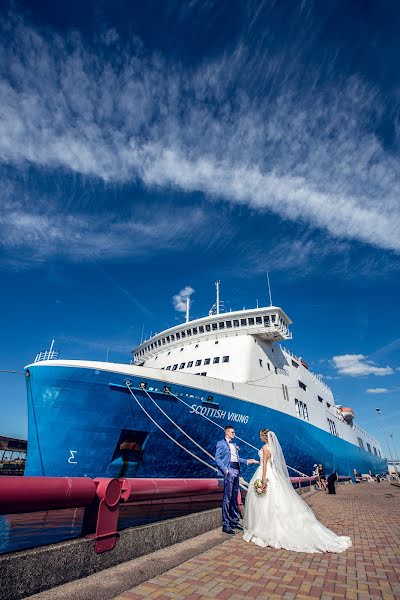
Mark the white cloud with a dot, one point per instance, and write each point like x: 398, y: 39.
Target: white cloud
x: 179, y: 300
x: 307, y: 156
x: 377, y: 390
x: 357, y: 365
x: 43, y: 232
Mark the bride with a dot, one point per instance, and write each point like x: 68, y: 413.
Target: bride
x: 279, y: 517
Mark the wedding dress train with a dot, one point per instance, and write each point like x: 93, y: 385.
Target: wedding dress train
x: 280, y: 518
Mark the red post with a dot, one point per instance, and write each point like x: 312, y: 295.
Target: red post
x: 101, y: 517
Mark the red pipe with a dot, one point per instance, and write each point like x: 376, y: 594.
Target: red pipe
x: 29, y: 494
x: 151, y: 489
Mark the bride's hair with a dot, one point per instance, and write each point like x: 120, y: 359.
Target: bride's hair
x: 264, y: 433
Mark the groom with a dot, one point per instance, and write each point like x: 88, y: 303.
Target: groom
x: 228, y: 461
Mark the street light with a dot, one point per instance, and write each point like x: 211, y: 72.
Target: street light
x: 378, y: 410
x: 394, y: 447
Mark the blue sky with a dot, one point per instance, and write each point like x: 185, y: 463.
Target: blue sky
x: 147, y: 149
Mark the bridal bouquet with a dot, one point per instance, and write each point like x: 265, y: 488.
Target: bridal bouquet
x: 260, y: 486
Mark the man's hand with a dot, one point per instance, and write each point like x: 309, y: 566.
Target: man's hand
x: 252, y: 461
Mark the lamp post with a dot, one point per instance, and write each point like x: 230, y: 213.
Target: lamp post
x: 396, y: 456
x: 378, y: 410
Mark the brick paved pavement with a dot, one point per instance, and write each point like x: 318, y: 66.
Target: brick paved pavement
x: 368, y: 512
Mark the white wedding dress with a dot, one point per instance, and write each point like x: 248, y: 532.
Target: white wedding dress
x: 280, y: 518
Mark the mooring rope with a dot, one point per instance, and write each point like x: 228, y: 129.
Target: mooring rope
x: 236, y: 436
x: 243, y: 484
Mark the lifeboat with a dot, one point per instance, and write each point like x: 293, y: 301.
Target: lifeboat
x: 348, y: 414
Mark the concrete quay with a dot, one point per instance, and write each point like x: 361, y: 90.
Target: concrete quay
x: 213, y: 566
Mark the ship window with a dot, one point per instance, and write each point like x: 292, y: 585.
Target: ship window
x: 269, y: 366
x: 285, y: 392
x: 194, y: 330
x: 172, y: 337
x: 273, y: 317
x: 190, y: 363
x: 169, y: 353
x: 216, y: 360
x: 163, y: 341
x: 174, y: 368
x: 189, y: 332
x: 214, y: 326
x: 225, y: 359
x: 183, y: 334
x: 236, y: 322
x: 259, y: 320
x: 228, y: 324
x: 305, y: 412
x: 369, y: 448
x: 320, y: 399
x: 168, y: 368
x: 260, y: 361
x: 182, y: 366
x: 181, y: 349
x: 167, y: 338
x: 222, y: 325
x: 243, y: 322
x: 251, y: 321
x: 379, y: 453
x: 156, y: 358
x: 178, y: 335
x: 266, y: 320
x: 201, y: 329
x: 375, y: 452
x: 198, y: 362
x: 302, y: 385
x: 207, y: 361
x: 159, y: 342
x: 360, y: 443
x: 208, y: 328
x: 328, y: 405
x: 204, y: 373
x: 295, y: 364
x: 296, y: 403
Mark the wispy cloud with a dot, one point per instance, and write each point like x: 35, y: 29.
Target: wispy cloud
x: 377, y: 390
x: 47, y: 231
x: 179, y: 299
x: 307, y: 155
x: 358, y: 365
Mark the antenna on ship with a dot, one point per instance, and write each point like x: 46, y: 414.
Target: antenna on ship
x: 269, y: 290
x: 187, y: 309
x: 217, y: 303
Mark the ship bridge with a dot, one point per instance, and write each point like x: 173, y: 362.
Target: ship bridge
x: 270, y: 324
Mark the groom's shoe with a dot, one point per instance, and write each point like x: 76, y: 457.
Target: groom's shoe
x: 238, y: 526
x: 228, y: 530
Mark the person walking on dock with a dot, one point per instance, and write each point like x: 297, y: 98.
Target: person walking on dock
x: 228, y: 461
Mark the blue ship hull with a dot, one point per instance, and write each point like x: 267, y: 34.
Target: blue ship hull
x: 79, y: 417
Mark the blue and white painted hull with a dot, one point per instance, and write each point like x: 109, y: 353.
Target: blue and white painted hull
x: 79, y: 413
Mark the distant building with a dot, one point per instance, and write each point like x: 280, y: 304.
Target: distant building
x: 12, y: 455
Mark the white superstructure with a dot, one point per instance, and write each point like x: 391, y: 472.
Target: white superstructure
x: 239, y: 354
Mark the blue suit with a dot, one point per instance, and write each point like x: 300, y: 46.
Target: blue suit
x: 230, y: 508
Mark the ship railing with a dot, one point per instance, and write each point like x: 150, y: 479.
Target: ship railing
x: 318, y: 378
x: 47, y: 355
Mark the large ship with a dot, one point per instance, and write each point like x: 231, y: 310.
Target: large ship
x: 161, y: 415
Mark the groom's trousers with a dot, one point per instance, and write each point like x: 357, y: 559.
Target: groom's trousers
x: 230, y: 508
